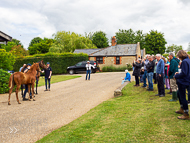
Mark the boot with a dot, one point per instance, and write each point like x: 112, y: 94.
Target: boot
x: 185, y: 116
x: 180, y: 111
x: 174, y: 97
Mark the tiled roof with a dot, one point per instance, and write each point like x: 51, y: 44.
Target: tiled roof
x: 5, y: 37
x: 118, y: 50
x: 87, y: 51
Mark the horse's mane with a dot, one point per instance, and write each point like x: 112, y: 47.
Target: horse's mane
x: 32, y: 67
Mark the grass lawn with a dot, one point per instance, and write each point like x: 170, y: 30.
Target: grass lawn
x: 137, y: 116
x: 57, y: 78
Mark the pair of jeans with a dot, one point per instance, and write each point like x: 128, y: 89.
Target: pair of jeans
x: 150, y: 80
x: 188, y: 93
x: 141, y: 78
x: 182, y: 96
x: 47, y: 80
x: 160, y: 80
x: 26, y: 90
x: 137, y: 80
x: 144, y: 78
x: 88, y: 73
x: 124, y: 81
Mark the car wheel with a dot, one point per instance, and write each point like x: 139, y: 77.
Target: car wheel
x: 71, y: 71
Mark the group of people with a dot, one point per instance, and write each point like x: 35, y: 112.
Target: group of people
x: 174, y: 73
x: 48, y: 72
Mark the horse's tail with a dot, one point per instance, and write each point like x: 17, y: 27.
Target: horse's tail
x: 11, y: 80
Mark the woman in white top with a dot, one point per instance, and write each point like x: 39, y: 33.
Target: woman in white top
x: 88, y: 69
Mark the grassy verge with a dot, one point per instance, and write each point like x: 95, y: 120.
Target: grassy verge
x: 57, y: 78
x: 138, y: 116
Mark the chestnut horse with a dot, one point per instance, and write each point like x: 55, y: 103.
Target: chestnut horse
x: 43, y: 66
x: 19, y: 78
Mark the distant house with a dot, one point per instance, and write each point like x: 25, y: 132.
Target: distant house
x: 116, y: 55
x: 4, y: 38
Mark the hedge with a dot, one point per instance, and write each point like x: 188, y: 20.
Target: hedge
x: 116, y: 69
x: 4, y: 81
x: 58, y: 61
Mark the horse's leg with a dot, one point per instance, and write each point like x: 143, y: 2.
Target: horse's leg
x: 17, y: 90
x: 10, y: 91
x: 33, y: 92
x: 29, y: 92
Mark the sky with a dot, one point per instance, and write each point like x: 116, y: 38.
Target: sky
x: 26, y: 19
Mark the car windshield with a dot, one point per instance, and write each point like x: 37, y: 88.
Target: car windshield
x: 79, y: 64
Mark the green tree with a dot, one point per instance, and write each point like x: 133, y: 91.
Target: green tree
x: 155, y: 42
x: 7, y: 60
x: 35, y: 41
x: 99, y: 39
x: 42, y: 47
x: 68, y: 42
x: 17, y: 42
x: 130, y: 37
x: 173, y: 48
x: 9, y: 46
x: 19, y: 51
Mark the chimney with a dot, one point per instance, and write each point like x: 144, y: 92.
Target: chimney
x: 113, y: 42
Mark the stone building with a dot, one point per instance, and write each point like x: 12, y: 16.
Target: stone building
x: 115, y: 55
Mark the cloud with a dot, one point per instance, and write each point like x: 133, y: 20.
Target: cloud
x: 43, y: 18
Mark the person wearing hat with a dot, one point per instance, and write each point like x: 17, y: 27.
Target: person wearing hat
x: 26, y: 85
x: 127, y: 77
x: 150, y: 73
x: 88, y: 70
x: 137, y: 67
x: 48, y: 73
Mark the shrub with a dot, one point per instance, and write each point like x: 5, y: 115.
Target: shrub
x: 58, y: 61
x: 4, y: 81
x: 7, y: 60
x: 116, y: 69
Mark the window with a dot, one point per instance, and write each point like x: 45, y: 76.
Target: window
x: 117, y: 60
x: 79, y: 64
x: 99, y: 60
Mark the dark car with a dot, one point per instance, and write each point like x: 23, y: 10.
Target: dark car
x: 81, y: 67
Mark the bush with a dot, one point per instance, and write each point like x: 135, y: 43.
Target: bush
x: 4, y: 81
x: 58, y: 61
x: 7, y: 60
x: 116, y: 69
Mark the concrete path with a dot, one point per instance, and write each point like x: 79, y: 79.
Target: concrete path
x: 67, y: 100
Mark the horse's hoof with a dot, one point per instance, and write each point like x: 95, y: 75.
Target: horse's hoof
x: 34, y: 99
x: 29, y: 100
x: 9, y: 103
x: 19, y: 103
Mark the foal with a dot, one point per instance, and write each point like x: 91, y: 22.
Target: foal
x: 19, y: 78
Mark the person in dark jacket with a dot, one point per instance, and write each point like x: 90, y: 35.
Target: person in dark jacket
x: 150, y: 73
x: 183, y: 82
x: 137, y: 67
x: 172, y: 70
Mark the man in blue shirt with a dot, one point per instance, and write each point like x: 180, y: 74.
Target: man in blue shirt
x: 127, y: 77
x: 160, y: 76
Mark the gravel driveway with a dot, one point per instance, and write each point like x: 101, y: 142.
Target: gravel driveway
x: 67, y: 100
